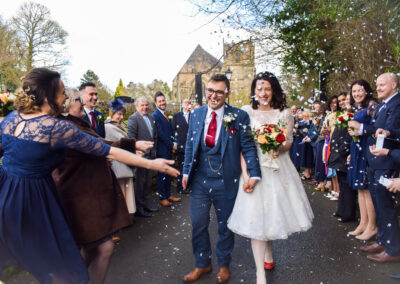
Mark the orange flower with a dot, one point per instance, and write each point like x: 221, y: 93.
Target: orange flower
x: 4, y: 99
x: 261, y: 139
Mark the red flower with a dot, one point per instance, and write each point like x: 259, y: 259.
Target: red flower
x: 280, y: 138
x: 232, y: 131
x: 341, y: 118
x: 272, y: 125
x: 267, y: 130
x: 350, y: 114
x: 258, y: 131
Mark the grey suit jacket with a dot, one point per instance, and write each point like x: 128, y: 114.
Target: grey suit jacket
x: 137, y: 128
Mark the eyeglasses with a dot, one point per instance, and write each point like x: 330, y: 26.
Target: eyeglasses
x: 219, y: 93
x: 79, y: 99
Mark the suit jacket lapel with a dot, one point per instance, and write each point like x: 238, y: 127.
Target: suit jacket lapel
x: 201, y: 119
x: 224, y: 131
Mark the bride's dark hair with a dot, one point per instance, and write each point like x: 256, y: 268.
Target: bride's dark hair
x: 278, y: 96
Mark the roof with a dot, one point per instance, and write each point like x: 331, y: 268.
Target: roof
x: 200, y: 60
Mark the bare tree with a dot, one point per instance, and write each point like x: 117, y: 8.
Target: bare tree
x: 43, y: 40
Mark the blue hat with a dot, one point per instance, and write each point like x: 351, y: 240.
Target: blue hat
x: 116, y: 105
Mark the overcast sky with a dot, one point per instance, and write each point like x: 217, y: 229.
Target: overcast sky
x: 134, y: 40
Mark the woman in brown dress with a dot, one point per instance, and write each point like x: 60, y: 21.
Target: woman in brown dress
x: 90, y: 193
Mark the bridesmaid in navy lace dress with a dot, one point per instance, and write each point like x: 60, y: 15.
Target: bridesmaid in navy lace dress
x: 361, y: 95
x: 33, y: 228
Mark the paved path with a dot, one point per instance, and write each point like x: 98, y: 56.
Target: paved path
x: 158, y: 251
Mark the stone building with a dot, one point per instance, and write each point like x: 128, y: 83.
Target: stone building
x: 237, y: 57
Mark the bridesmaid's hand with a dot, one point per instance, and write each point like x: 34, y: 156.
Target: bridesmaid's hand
x: 164, y: 166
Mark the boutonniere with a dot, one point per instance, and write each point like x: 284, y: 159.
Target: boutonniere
x: 228, y: 119
x: 99, y: 118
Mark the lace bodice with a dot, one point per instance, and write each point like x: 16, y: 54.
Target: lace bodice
x: 259, y: 117
x: 37, y: 148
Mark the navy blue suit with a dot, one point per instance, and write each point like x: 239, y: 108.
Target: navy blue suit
x: 387, y: 117
x: 213, y: 174
x: 165, y: 142
x: 99, y: 122
x: 180, y: 129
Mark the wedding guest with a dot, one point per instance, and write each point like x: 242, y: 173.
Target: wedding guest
x: 386, y: 117
x: 115, y: 132
x: 180, y: 125
x: 34, y: 229
x: 307, y: 161
x: 313, y: 134
x: 141, y: 127
x: 317, y: 136
x: 327, y: 128
x: 293, y: 110
x: 361, y: 94
x: 293, y: 149
x: 94, y: 117
x: 288, y: 209
x: 340, y: 149
x: 394, y: 154
x: 81, y: 187
x: 296, y: 154
x: 165, y: 146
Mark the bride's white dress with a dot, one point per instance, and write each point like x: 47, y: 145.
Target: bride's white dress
x: 278, y: 206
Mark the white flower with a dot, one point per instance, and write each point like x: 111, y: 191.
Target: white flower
x: 228, y: 119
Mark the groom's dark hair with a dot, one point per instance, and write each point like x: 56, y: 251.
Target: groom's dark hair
x: 221, y: 78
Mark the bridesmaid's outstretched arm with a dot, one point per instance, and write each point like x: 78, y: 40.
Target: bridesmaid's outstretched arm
x: 160, y: 165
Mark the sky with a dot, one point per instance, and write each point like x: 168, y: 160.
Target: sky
x: 134, y: 40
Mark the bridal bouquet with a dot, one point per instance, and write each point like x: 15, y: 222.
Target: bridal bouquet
x: 269, y: 137
x: 6, y: 103
x: 342, y: 121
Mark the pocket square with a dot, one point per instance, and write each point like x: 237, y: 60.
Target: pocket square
x: 232, y: 131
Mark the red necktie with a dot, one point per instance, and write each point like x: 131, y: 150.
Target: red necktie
x: 93, y: 120
x: 166, y: 116
x: 211, y: 131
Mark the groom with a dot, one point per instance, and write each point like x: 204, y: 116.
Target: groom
x: 212, y: 170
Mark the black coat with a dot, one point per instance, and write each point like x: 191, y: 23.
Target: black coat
x: 340, y: 149
x: 180, y: 128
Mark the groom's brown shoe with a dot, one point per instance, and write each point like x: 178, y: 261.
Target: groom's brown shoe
x: 223, y: 274
x: 196, y: 273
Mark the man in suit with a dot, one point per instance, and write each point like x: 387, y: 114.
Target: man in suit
x: 141, y: 127
x: 95, y: 118
x: 165, y: 146
x: 386, y: 117
x: 180, y: 125
x: 212, y: 170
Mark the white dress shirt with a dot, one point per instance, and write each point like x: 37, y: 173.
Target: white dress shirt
x: 219, y: 117
x: 88, y: 111
x: 186, y: 115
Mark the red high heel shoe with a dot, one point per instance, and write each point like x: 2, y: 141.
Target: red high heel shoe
x: 269, y: 265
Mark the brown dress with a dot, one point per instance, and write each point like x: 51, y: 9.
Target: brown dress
x: 89, y: 191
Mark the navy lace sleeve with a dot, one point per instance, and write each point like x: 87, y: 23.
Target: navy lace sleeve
x: 65, y: 135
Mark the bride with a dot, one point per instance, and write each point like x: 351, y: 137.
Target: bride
x: 277, y: 206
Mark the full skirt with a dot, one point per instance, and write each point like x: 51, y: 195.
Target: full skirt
x: 277, y: 208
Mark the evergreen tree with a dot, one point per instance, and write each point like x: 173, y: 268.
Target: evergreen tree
x: 90, y: 76
x: 103, y: 91
x: 120, y: 89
